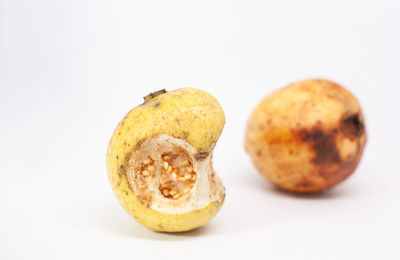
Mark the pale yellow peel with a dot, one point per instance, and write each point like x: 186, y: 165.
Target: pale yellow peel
x: 189, y: 114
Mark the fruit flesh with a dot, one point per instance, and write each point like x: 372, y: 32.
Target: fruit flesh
x: 165, y: 175
x: 167, y: 172
x: 190, y: 115
x: 307, y: 137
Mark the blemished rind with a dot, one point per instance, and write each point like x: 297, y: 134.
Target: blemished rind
x: 189, y: 114
x: 308, y: 136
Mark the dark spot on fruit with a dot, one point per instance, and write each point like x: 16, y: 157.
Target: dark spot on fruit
x: 259, y: 153
x: 201, y: 155
x: 138, y: 144
x: 178, y: 121
x: 126, y: 193
x: 305, y: 184
x: 185, y: 134
x: 117, y: 157
x: 325, y: 174
x: 120, y: 171
x: 157, y: 105
x: 323, y: 143
x: 119, y: 133
x: 352, y: 126
x: 269, y: 121
x: 350, y: 163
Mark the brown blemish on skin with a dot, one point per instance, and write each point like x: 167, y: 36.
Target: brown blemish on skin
x: 138, y: 144
x: 304, y: 183
x: 117, y: 157
x: 201, y: 155
x: 121, y: 171
x: 337, y: 174
x: 352, y: 125
x: 157, y: 105
x: 178, y: 121
x: 325, y: 174
x: 349, y: 164
x: 323, y: 143
x: 259, y: 152
x: 185, y: 135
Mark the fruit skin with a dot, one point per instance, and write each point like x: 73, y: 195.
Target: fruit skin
x: 189, y: 114
x: 307, y: 137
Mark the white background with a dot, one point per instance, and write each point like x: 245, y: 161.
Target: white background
x: 70, y: 70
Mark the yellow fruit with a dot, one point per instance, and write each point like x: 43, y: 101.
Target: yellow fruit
x: 159, y: 160
x: 307, y: 137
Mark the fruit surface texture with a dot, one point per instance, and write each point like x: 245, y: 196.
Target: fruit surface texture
x: 307, y: 137
x: 159, y: 160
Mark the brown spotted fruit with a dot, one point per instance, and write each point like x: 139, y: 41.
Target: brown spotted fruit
x: 159, y: 160
x: 307, y: 137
